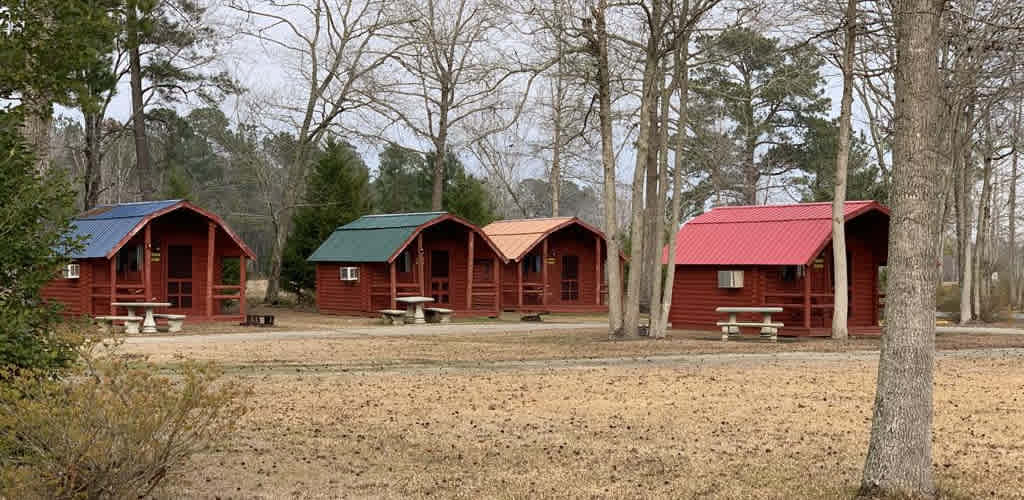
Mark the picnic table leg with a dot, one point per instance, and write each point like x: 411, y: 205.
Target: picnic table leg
x: 727, y: 330
x: 148, y: 324
x: 772, y: 332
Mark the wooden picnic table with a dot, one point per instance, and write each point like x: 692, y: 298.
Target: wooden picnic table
x: 148, y: 323
x: 414, y: 307
x: 768, y: 328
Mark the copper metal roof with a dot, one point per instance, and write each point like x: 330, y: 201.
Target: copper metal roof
x: 516, y: 237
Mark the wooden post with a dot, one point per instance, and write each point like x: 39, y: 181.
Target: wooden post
x: 241, y: 285
x: 419, y: 264
x: 497, y: 284
x: 469, y: 274
x: 147, y: 264
x: 597, y: 270
x: 211, y: 238
x: 394, y: 287
x: 544, y: 273
x: 807, y: 297
x: 113, y: 284
x: 519, y: 283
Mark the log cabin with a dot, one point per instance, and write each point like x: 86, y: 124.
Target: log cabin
x: 156, y: 251
x: 365, y: 265
x: 554, y: 264
x: 779, y: 255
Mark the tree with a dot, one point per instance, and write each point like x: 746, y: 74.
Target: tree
x: 764, y: 88
x: 45, y: 48
x: 397, y: 186
x: 34, y: 226
x: 464, y: 194
x: 840, y: 309
x: 899, y: 459
x: 337, y: 49
x: 815, y: 160
x: 338, y: 193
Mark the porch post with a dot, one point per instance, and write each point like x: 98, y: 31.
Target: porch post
x: 807, y: 297
x: 497, y: 284
x: 241, y: 285
x: 597, y: 270
x: 113, y: 284
x: 469, y: 274
x: 519, y: 283
x: 419, y: 264
x: 147, y: 264
x: 544, y: 274
x: 393, y: 286
x: 211, y: 235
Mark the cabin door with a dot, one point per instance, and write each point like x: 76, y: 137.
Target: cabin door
x: 179, y: 277
x: 440, y: 276
x: 570, y: 279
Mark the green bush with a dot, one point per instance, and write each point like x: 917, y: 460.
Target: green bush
x: 113, y: 429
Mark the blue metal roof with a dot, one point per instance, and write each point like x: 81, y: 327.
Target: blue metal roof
x: 106, y: 225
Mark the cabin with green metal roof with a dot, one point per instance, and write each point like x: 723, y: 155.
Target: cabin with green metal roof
x: 365, y: 265
x: 155, y: 251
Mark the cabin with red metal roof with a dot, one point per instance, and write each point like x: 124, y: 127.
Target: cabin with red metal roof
x: 368, y: 263
x: 554, y: 264
x: 779, y: 255
x: 156, y: 251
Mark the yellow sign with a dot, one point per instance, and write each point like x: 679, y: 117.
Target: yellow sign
x: 551, y: 260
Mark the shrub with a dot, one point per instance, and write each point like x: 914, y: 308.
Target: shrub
x: 113, y: 429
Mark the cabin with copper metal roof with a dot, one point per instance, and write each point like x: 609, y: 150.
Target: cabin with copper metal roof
x: 554, y: 264
x: 157, y: 251
x: 779, y: 255
x: 365, y: 265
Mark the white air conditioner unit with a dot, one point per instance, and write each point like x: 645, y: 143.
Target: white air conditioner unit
x: 730, y: 279
x: 349, y: 273
x: 71, y: 272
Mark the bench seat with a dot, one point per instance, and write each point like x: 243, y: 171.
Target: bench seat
x: 395, y: 316
x: 770, y: 330
x: 174, y: 321
x: 438, y: 314
x: 131, y: 323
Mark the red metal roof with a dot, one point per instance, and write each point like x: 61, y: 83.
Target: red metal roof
x: 781, y: 235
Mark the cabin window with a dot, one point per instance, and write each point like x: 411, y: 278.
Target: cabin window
x: 129, y: 259
x: 403, y: 264
x: 482, y: 271
x: 791, y: 273
x: 531, y: 264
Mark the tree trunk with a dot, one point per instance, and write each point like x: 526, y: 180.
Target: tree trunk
x: 1014, y: 273
x: 981, y: 271
x: 681, y: 85
x: 840, y: 294
x: 556, y: 143
x: 899, y: 460
x: 143, y: 162
x: 965, y: 219
x: 93, y: 177
x: 657, y: 237
x: 36, y: 125
x: 650, y: 214
x: 599, y: 48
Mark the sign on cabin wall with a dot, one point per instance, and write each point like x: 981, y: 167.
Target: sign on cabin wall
x: 551, y: 260
x: 155, y: 256
x: 819, y: 263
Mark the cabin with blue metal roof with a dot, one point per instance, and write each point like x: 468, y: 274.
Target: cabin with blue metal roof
x: 365, y: 265
x: 155, y: 251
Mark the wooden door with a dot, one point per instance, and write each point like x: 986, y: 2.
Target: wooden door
x: 180, y: 287
x: 440, y: 276
x: 570, y: 279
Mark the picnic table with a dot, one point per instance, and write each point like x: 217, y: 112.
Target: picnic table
x: 768, y: 328
x: 414, y: 308
x: 148, y: 323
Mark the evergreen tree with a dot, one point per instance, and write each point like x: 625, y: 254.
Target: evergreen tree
x: 464, y: 195
x: 338, y: 193
x: 34, y: 225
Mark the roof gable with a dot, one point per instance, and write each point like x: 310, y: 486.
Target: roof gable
x: 105, y: 228
x: 371, y: 238
x: 762, y: 234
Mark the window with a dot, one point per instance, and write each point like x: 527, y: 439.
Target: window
x: 129, y: 259
x: 403, y: 264
x: 570, y: 278
x: 791, y: 273
x: 531, y: 264
x: 439, y: 264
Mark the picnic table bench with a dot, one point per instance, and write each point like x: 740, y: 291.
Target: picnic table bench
x: 769, y: 329
x: 131, y: 323
x: 395, y: 316
x: 438, y: 315
x: 174, y: 321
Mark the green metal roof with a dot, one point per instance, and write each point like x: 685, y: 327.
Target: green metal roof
x: 371, y: 238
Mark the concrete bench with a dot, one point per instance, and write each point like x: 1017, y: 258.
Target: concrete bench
x: 769, y: 329
x: 131, y: 323
x: 174, y: 321
x: 438, y: 314
x: 533, y: 316
x: 395, y: 316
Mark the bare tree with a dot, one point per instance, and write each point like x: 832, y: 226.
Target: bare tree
x: 899, y: 459
x: 336, y: 47
x: 840, y: 293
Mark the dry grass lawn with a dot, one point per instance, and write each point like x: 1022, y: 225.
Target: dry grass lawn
x: 344, y: 418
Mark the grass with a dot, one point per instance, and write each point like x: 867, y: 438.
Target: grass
x: 457, y: 416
